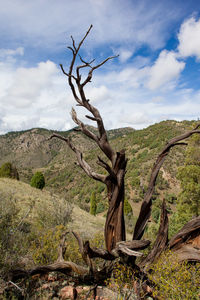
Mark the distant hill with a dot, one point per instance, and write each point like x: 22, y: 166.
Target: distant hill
x: 31, y: 150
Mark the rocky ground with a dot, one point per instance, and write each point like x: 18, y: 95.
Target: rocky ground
x: 53, y: 286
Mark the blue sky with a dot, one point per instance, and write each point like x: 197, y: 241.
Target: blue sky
x: 156, y: 77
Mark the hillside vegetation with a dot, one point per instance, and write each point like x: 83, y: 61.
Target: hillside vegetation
x: 31, y: 151
x: 34, y: 207
x: 33, y: 221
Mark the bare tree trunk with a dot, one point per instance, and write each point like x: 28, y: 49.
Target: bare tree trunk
x: 186, y: 244
x: 116, y: 168
x: 115, y: 224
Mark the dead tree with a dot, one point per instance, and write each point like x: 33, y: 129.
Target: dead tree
x: 115, y: 166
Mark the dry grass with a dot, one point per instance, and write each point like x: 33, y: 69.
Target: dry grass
x: 34, y: 204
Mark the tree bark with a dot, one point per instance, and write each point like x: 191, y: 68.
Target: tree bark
x: 145, y: 211
x: 115, y: 224
x: 116, y: 168
x: 161, y: 240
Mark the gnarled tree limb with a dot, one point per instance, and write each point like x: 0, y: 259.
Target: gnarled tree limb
x: 145, y: 210
x: 114, y: 180
x: 187, y: 234
x: 161, y: 240
x: 82, y: 163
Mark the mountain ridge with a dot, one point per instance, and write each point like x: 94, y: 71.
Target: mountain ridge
x: 31, y: 151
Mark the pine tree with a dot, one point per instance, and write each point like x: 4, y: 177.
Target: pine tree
x: 38, y: 180
x: 9, y: 171
x: 93, y: 204
x: 127, y: 208
x: 188, y: 201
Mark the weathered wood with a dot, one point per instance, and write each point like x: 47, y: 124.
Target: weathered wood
x: 187, y: 252
x: 114, y: 180
x: 161, y: 239
x: 186, y: 244
x: 135, y: 244
x: 187, y: 234
x: 145, y: 211
x: 82, y: 163
x: 127, y: 248
x: 115, y: 224
x: 66, y: 267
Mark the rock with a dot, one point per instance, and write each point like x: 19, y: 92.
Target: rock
x: 45, y: 286
x: 105, y: 293
x: 68, y: 292
x: 52, y: 277
x: 79, y: 289
x: 86, y: 288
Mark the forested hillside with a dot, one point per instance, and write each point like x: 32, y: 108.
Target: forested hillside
x: 31, y: 151
x: 33, y: 221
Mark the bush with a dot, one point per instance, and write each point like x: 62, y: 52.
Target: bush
x: 38, y: 180
x: 174, y: 280
x: 155, y: 214
x: 9, y: 171
x: 136, y: 199
x: 44, y: 248
x: 100, y: 188
x: 121, y: 281
x: 13, y: 238
x: 93, y: 204
x: 170, y: 198
x: 127, y: 208
x: 135, y: 182
x: 30, y: 228
x: 100, y: 208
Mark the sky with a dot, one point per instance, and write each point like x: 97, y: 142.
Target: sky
x: 156, y: 76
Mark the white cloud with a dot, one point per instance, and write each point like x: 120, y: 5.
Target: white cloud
x: 27, y: 84
x: 131, y: 77
x: 46, y: 24
x: 157, y: 99
x: 97, y: 94
x: 4, y: 53
x: 124, y: 54
x: 39, y: 96
x: 135, y: 119
x: 189, y: 38
x: 120, y: 98
x: 33, y: 97
x: 165, y: 69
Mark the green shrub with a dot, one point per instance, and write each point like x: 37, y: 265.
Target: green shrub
x: 44, y: 248
x: 8, y: 170
x: 142, y: 155
x: 13, y: 235
x: 155, y: 214
x: 100, y: 188
x: 38, y: 180
x: 136, y: 199
x: 135, y: 182
x: 30, y: 228
x: 127, y: 208
x: 100, y: 208
x: 93, y: 204
x: 170, y: 198
x: 174, y: 280
x: 122, y: 280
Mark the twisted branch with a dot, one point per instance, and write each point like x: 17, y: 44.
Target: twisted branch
x: 145, y: 211
x: 82, y: 163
